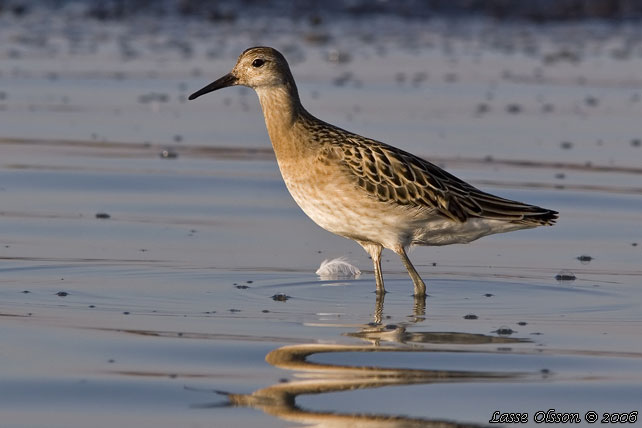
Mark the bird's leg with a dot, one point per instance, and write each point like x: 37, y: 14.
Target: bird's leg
x: 420, y: 286
x: 375, y: 252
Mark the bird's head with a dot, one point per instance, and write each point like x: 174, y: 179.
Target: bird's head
x: 257, y: 68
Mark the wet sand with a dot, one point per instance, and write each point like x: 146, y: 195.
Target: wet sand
x: 138, y: 288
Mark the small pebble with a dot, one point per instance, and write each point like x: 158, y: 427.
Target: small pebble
x: 102, y: 215
x: 566, y: 145
x: 168, y: 154
x: 565, y: 275
x: 62, y: 294
x: 504, y: 331
x: 522, y: 323
x: 584, y: 258
x: 280, y: 297
x: 470, y: 317
x: 242, y: 287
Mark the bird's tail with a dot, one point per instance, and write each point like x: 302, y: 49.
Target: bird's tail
x: 544, y: 217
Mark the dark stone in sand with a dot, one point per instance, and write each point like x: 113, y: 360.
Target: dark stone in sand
x: 62, y: 294
x: 242, y: 287
x: 102, y: 215
x: 566, y: 145
x: 470, y: 317
x: 584, y: 258
x: 504, y: 331
x: 280, y: 297
x: 168, y: 154
x: 522, y: 323
x: 565, y: 276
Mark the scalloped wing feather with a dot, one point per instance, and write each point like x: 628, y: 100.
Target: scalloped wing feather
x: 393, y: 175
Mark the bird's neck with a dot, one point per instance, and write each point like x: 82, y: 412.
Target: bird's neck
x: 283, y: 112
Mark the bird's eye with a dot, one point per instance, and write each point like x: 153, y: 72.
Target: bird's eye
x: 258, y: 62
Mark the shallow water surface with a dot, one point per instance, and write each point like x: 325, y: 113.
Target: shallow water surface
x: 164, y: 314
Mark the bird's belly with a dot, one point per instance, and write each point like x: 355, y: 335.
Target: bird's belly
x: 352, y: 214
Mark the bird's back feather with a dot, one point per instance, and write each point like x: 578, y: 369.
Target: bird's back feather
x: 394, y: 176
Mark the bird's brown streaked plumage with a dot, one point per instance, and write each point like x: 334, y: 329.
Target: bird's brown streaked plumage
x: 362, y: 189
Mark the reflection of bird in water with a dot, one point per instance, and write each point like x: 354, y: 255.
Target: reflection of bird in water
x: 365, y: 190
x: 280, y: 399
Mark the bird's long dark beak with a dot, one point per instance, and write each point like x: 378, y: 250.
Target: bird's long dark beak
x: 225, y: 81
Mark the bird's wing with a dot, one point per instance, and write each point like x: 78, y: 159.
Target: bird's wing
x: 393, y: 175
